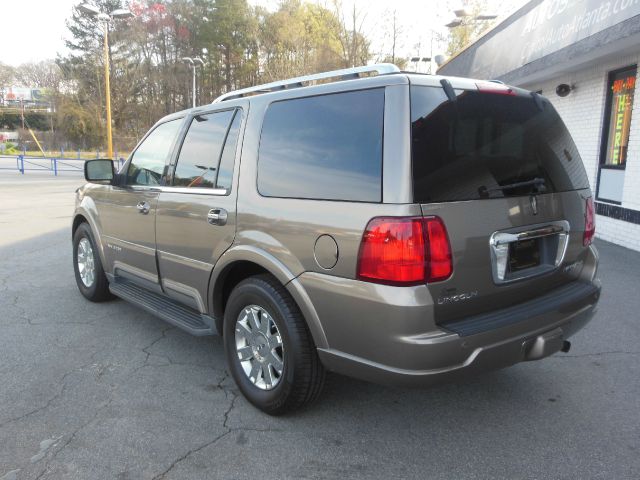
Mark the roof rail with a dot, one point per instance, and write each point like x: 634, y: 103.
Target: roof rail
x: 297, y: 82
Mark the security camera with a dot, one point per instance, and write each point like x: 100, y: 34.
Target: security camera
x: 563, y: 89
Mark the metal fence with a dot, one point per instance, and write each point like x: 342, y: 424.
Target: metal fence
x: 57, y: 166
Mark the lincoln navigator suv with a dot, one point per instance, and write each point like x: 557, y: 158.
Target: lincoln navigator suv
x: 395, y: 227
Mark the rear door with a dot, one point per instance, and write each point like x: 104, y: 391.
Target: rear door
x: 128, y: 211
x: 501, y: 170
x: 196, y: 213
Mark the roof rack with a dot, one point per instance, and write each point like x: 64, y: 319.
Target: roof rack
x: 297, y: 82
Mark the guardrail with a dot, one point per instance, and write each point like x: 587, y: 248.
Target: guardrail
x: 55, y: 165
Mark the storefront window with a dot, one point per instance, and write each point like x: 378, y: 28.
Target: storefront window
x: 615, y: 134
x: 619, y: 105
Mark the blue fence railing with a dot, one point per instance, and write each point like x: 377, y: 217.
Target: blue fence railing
x: 55, y: 165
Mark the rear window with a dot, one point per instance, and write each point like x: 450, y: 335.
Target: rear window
x: 324, y: 147
x: 487, y: 145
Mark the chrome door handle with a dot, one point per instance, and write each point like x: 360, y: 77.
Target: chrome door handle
x: 143, y: 207
x: 217, y: 216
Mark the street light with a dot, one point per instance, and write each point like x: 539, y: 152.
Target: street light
x: 415, y: 60
x: 464, y: 17
x: 194, y: 62
x: 105, y: 18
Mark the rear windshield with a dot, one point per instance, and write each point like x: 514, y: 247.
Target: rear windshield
x: 486, y: 145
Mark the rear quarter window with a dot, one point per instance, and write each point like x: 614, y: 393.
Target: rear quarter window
x: 323, y: 147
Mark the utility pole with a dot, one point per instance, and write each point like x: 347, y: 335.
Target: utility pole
x: 107, y: 88
x: 194, y: 63
x: 105, y: 18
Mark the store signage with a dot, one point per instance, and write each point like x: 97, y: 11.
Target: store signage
x: 547, y: 28
x: 620, y: 102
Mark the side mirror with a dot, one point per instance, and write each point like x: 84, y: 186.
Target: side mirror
x: 99, y: 171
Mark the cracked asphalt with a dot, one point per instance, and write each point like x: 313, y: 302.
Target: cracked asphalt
x: 93, y: 391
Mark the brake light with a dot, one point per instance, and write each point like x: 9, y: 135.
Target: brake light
x: 589, y: 222
x: 496, y: 88
x: 405, y: 251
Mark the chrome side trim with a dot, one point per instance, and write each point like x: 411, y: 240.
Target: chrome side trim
x: 186, y: 291
x: 185, y: 261
x: 122, y: 269
x: 129, y: 245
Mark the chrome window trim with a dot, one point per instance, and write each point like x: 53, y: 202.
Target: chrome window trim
x: 169, y: 189
x: 194, y: 190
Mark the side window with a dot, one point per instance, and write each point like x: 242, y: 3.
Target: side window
x: 200, y: 153
x: 225, y: 172
x: 148, y: 161
x: 325, y: 147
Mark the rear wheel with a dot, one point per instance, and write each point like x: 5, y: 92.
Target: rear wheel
x: 90, y: 277
x: 269, y: 349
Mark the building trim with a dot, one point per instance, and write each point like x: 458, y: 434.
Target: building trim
x: 618, y: 213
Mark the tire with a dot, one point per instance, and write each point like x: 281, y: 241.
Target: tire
x: 302, y: 376
x: 98, y: 289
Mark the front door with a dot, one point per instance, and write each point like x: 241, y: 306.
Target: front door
x: 196, y: 212
x: 127, y: 212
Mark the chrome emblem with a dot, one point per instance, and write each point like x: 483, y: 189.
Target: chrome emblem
x: 534, y: 204
x: 460, y: 297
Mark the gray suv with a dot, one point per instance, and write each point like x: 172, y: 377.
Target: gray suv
x: 395, y: 227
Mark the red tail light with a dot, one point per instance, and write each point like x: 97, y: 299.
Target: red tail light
x: 589, y: 222
x: 405, y: 251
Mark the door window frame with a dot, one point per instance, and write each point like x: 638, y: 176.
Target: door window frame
x: 170, y: 167
x: 124, y: 170
x: 175, y: 156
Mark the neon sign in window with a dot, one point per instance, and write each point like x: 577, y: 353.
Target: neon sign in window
x: 620, y: 105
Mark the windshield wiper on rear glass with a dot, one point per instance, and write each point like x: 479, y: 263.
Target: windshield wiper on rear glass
x: 537, y: 182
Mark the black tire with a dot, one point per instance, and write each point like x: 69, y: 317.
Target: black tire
x: 98, y: 291
x: 303, y: 375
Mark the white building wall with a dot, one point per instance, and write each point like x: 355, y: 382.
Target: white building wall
x: 583, y: 112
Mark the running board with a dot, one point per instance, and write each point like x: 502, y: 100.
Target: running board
x: 167, y: 309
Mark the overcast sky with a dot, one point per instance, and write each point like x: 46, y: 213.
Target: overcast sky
x: 34, y: 30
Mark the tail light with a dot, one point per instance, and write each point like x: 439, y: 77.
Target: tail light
x: 589, y: 222
x: 405, y: 251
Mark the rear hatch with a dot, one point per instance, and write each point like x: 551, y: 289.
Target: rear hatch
x: 499, y: 167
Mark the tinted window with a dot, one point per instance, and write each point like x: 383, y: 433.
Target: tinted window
x: 200, y: 152
x: 148, y: 161
x: 225, y: 172
x: 325, y: 147
x: 484, y: 143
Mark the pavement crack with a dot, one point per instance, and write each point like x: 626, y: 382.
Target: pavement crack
x: 50, y: 401
x: 227, y: 431
x: 72, y: 437
x: 148, y: 354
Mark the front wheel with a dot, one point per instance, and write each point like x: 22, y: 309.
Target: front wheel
x: 90, y: 277
x: 269, y: 349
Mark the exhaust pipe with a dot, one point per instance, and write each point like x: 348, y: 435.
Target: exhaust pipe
x: 566, y: 346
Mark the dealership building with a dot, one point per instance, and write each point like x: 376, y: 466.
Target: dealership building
x: 583, y: 56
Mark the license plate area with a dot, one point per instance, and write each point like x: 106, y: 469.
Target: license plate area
x: 525, y: 253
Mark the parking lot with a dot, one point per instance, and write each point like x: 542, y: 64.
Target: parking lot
x: 92, y: 391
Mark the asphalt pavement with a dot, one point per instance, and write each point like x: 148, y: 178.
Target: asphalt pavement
x: 97, y: 391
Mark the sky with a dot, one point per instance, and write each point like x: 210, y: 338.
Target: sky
x: 36, y: 28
